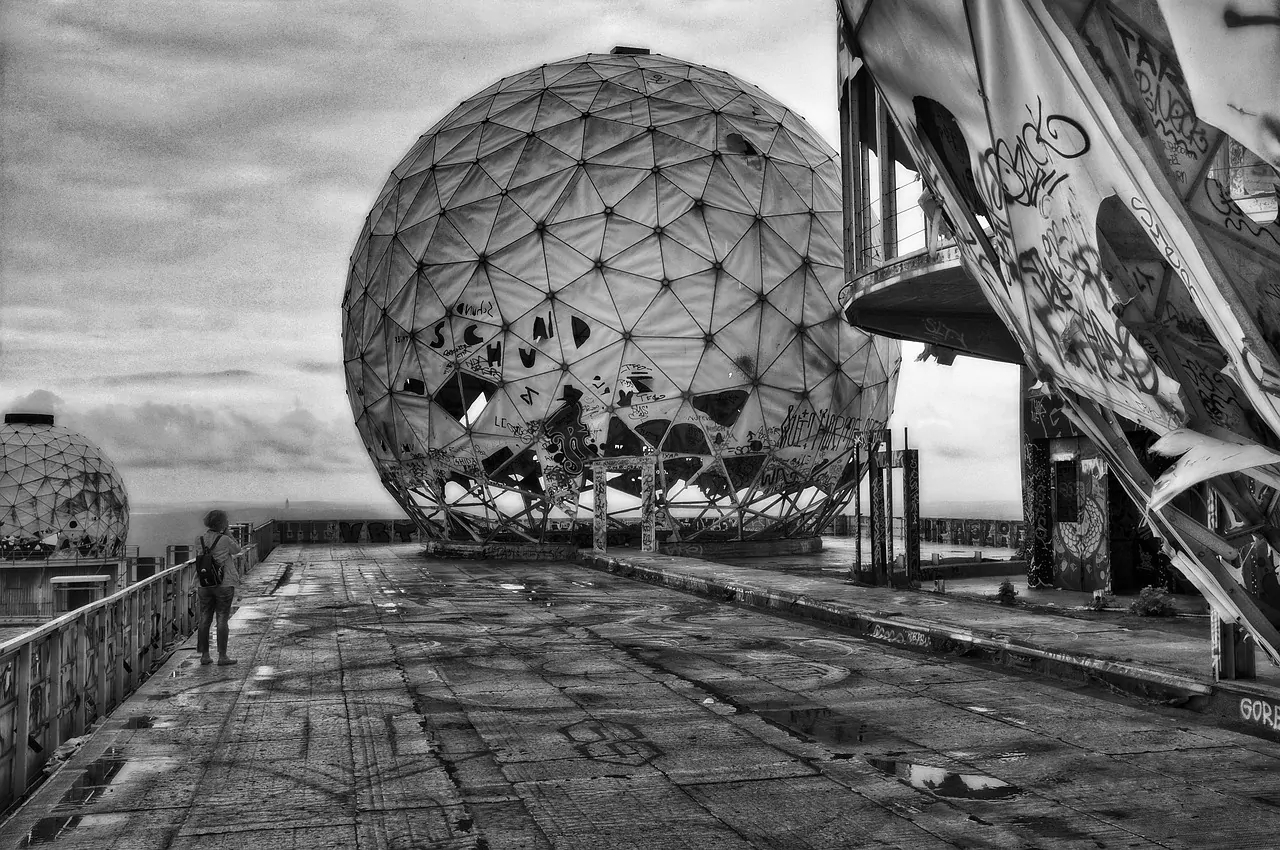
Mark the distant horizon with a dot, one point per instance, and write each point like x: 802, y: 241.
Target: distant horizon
x: 958, y: 508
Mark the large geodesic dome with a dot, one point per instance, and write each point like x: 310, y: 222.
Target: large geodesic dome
x: 608, y: 259
x: 59, y: 496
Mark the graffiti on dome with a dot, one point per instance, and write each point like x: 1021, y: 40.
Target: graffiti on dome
x: 512, y: 316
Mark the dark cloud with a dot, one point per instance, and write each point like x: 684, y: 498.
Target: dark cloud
x: 319, y: 367
x: 171, y: 376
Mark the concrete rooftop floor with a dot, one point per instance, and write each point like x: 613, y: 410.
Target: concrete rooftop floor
x: 384, y: 700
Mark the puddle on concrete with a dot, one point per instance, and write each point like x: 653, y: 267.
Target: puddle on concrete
x: 262, y: 677
x: 514, y: 588
x: 50, y: 829
x: 113, y: 767
x: 247, y: 612
x: 151, y: 721
x: 817, y: 723
x: 93, y: 781
x: 946, y: 783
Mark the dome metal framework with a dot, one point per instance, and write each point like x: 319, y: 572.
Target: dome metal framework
x: 612, y: 257
x: 59, y: 496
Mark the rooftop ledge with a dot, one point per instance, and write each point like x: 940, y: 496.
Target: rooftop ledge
x: 929, y: 298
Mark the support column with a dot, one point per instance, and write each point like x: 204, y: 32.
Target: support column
x: 879, y: 561
x: 648, y: 521
x: 887, y: 471
x: 1233, y: 656
x: 911, y: 512
x: 888, y: 182
x: 857, y: 506
x: 600, y: 510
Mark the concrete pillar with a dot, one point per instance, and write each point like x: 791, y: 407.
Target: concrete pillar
x: 911, y: 512
x: 648, y: 521
x: 879, y: 551
x: 600, y: 519
x: 1233, y: 651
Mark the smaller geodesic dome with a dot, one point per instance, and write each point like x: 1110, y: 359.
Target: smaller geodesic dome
x: 59, y: 496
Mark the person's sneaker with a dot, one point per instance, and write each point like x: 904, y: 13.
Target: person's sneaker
x: 224, y: 661
x: 205, y: 659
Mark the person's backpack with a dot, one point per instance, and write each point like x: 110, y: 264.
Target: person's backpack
x: 207, y: 570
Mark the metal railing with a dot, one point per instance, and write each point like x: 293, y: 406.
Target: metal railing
x: 59, y: 678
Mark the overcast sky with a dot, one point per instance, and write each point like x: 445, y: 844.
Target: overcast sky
x: 184, y: 182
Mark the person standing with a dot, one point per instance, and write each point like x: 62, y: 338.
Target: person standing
x: 216, y: 601
x: 936, y: 226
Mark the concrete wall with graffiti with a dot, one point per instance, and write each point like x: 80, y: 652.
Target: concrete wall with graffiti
x: 1112, y: 193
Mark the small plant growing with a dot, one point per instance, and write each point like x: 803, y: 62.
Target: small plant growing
x: 1007, y: 593
x: 1101, y: 602
x: 1153, y: 602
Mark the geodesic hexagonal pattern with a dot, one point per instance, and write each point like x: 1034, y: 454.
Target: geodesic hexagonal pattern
x: 614, y: 256
x: 59, y: 497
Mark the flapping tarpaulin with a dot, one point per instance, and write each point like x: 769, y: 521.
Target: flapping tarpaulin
x: 1229, y: 51
x: 1063, y: 142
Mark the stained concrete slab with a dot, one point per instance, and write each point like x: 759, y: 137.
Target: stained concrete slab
x: 393, y: 701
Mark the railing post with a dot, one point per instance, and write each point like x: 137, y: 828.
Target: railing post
x: 57, y: 704
x: 80, y: 676
x: 122, y: 654
x: 101, y: 669
x: 22, y: 723
x: 131, y: 656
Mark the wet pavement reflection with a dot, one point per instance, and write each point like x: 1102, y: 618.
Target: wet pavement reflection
x: 946, y: 783
x: 386, y: 700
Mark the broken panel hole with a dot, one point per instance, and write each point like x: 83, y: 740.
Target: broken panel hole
x: 686, y: 438
x: 494, y: 461
x: 622, y: 441
x: 522, y: 470
x: 681, y: 469
x: 627, y: 481
x: 737, y: 143
x: 723, y: 407
x: 415, y: 386
x: 581, y: 331
x: 743, y: 470
x: 852, y: 471
x: 713, y: 484
x: 653, y: 430
x: 463, y: 396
